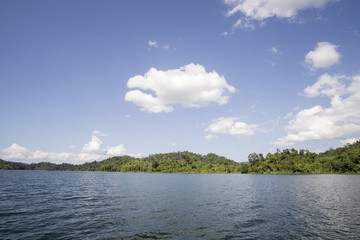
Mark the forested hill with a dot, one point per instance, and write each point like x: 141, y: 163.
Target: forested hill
x: 290, y: 161
x: 176, y: 162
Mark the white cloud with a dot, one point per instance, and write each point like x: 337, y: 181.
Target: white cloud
x: 341, y: 120
x: 275, y: 50
x: 257, y: 11
x: 72, y: 146
x: 289, y: 115
x: 326, y: 85
x: 324, y: 55
x: 19, y: 153
x: 93, y: 146
x: 100, y: 133
x: 16, y: 151
x: 211, y: 136
x: 231, y: 126
x: 245, y: 24
x: 224, y: 33
x: 116, y: 150
x: 188, y: 86
x: 153, y: 44
x: 39, y: 155
x: 349, y: 141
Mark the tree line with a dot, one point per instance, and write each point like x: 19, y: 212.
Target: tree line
x: 288, y: 161
x: 176, y: 162
x: 291, y: 161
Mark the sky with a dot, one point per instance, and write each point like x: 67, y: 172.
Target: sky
x: 86, y: 80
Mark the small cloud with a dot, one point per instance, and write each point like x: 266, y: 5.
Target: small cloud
x: 324, y: 55
x: 245, y: 24
x: 253, y: 108
x: 72, y: 146
x: 127, y: 116
x: 224, y: 33
x: 174, y: 144
x: 100, y: 133
x: 232, y: 126
x: 353, y: 32
x: 211, y: 136
x: 349, y: 141
x: 153, y: 44
x: 274, y: 49
x: 297, y: 108
x: 289, y: 115
x: 270, y: 62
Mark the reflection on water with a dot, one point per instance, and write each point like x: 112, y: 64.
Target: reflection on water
x: 92, y: 205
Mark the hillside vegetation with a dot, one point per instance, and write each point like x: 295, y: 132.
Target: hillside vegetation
x: 177, y: 162
x: 288, y: 161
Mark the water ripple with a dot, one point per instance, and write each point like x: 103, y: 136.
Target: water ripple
x: 88, y: 205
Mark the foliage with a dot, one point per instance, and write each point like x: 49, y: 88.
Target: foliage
x: 176, y: 162
x: 290, y: 161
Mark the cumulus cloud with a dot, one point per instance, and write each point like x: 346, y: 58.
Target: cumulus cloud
x: 93, y: 146
x: 116, y: 150
x: 16, y: 151
x: 19, y: 153
x: 40, y: 155
x: 230, y: 126
x: 324, y: 55
x: 326, y: 85
x: 257, y: 11
x: 189, y: 86
x: 341, y: 120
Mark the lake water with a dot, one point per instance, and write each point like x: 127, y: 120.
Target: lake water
x: 96, y: 205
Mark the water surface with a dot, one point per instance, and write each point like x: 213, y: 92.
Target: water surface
x: 96, y: 205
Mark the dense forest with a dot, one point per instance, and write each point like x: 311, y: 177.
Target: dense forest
x: 176, y: 162
x: 288, y: 161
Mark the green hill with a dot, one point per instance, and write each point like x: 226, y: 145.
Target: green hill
x: 176, y: 162
x: 290, y: 161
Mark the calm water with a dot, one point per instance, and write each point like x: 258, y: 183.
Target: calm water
x: 92, y: 205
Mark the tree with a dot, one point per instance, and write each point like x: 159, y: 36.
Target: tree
x: 253, y: 159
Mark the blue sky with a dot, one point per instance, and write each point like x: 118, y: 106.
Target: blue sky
x: 86, y: 80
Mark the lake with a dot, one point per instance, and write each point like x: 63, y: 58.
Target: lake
x: 99, y: 205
